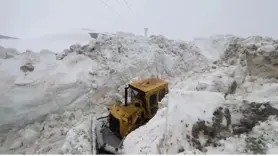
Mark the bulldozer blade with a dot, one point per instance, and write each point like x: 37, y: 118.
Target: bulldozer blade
x: 110, y: 138
x: 103, y: 141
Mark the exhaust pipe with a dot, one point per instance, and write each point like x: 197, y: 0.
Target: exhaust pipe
x: 126, y: 88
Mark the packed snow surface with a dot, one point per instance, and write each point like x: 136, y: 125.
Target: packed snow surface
x: 48, y: 99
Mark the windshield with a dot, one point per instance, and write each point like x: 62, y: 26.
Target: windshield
x: 133, y: 94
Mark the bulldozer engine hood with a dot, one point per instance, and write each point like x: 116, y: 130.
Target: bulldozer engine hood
x: 123, y: 112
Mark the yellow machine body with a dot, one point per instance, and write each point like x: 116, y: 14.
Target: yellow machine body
x: 145, y: 96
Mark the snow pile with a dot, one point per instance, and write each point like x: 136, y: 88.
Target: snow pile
x: 214, y: 80
x: 7, y: 52
x: 177, y: 138
x: 261, y: 140
x: 52, y: 86
x: 230, y: 77
x: 251, y: 132
x: 147, y: 143
x: 78, y: 140
x: 122, y: 58
x: 183, y: 112
x: 59, y: 133
x: 213, y: 47
x: 257, y: 53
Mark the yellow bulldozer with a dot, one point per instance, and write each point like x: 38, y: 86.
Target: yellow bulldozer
x: 141, y: 104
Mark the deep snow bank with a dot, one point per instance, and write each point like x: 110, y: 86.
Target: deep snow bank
x: 233, y: 77
x: 124, y: 57
x: 258, y: 54
x: 213, y: 48
x: 185, y: 108
x: 51, y: 86
x: 154, y: 142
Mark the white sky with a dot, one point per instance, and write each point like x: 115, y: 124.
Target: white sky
x: 182, y: 19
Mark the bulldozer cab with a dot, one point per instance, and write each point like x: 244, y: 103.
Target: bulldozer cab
x: 150, y: 92
x: 141, y: 104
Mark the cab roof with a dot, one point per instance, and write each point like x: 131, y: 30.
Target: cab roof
x: 149, y: 84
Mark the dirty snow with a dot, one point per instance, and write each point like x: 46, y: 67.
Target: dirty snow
x: 54, y: 103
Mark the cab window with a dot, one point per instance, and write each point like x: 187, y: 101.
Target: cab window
x: 133, y: 94
x: 162, y: 94
x: 153, y: 100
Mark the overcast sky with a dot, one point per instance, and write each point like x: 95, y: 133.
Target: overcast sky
x: 180, y: 19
